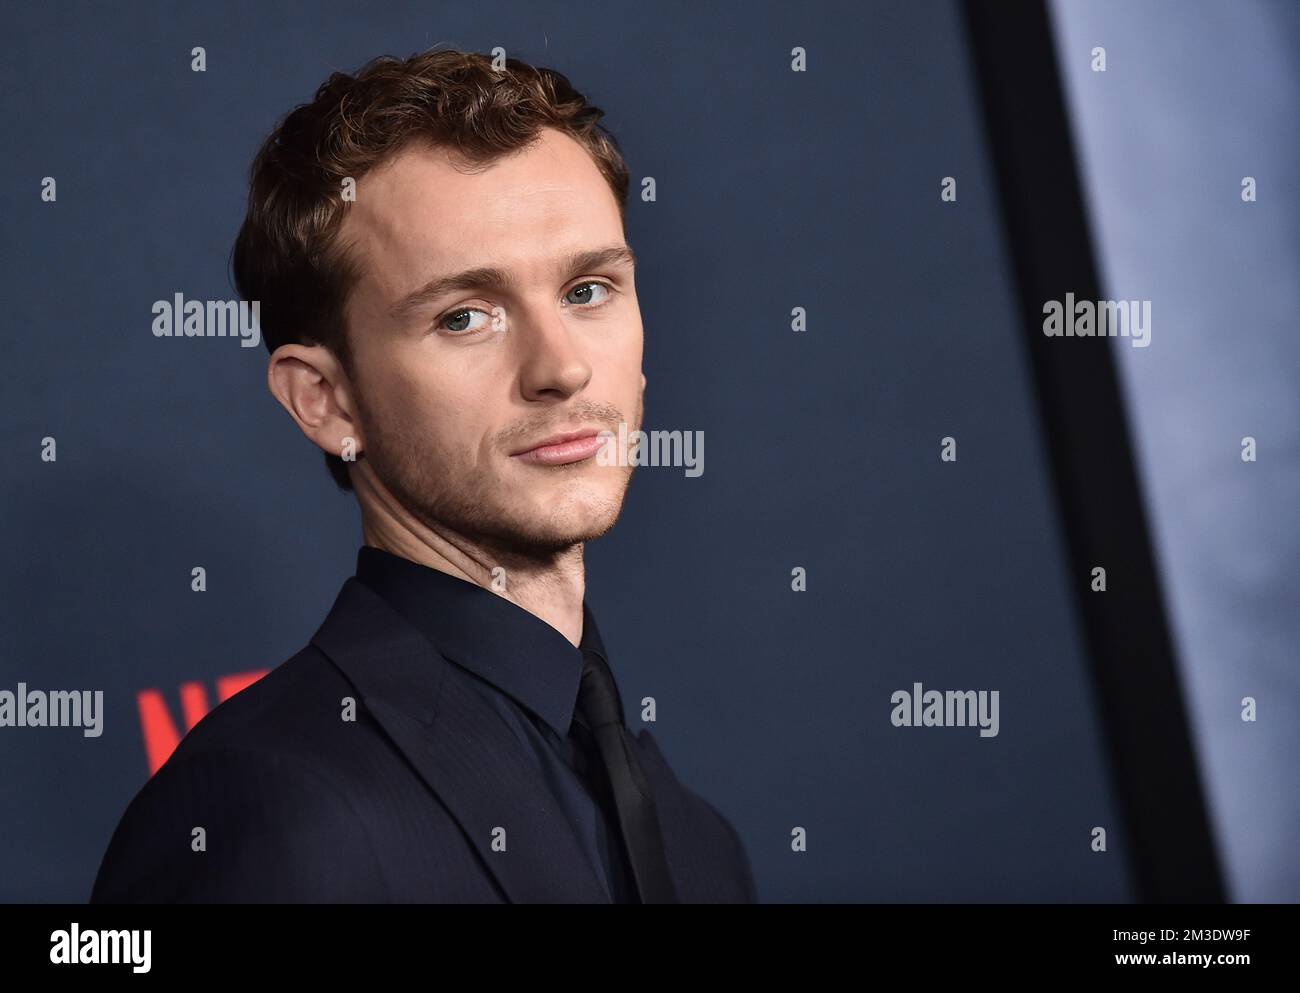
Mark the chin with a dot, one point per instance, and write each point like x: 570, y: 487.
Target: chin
x: 575, y: 526
x: 565, y: 522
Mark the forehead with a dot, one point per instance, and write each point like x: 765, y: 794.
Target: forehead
x: 422, y: 212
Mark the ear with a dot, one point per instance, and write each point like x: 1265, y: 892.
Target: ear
x: 310, y: 383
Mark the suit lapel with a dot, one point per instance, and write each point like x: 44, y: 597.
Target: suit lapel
x: 460, y: 748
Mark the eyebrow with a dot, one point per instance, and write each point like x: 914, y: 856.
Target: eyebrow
x: 495, y: 278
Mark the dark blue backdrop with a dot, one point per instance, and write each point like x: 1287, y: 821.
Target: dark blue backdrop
x: 776, y: 189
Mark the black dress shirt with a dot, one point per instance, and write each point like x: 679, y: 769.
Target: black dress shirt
x: 529, y: 672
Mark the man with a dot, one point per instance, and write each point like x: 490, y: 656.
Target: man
x: 438, y: 251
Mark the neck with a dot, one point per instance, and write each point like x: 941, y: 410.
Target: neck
x: 550, y: 586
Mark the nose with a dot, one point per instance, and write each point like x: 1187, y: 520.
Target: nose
x: 552, y: 364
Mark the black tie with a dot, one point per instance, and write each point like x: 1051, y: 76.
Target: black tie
x: 600, y: 711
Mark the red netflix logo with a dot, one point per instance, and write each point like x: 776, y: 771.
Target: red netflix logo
x: 161, y: 735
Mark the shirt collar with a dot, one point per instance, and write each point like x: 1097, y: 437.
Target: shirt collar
x: 496, y: 639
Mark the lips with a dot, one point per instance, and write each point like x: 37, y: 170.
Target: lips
x: 563, y: 448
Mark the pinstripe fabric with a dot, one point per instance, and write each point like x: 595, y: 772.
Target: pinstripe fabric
x: 527, y: 671
x: 401, y: 804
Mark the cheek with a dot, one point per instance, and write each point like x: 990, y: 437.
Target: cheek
x: 446, y: 418
x: 397, y: 402
x: 619, y: 355
x: 630, y: 370
x: 631, y: 354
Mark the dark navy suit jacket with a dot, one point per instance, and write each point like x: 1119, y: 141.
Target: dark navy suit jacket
x: 400, y: 805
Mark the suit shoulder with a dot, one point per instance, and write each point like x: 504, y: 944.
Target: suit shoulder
x: 285, y: 710
x: 238, y: 825
x: 256, y: 801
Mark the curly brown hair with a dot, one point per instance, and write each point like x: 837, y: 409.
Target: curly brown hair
x: 287, y: 254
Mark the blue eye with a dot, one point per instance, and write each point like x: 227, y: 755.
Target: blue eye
x: 457, y: 316
x: 586, y: 288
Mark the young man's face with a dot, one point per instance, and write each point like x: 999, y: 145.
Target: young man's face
x: 449, y: 391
